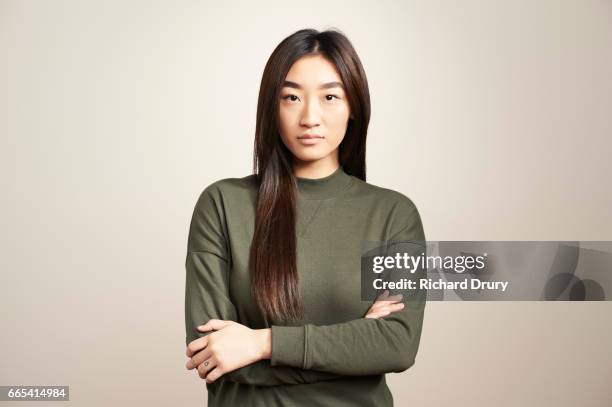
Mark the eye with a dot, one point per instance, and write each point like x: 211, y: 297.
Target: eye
x: 292, y: 98
x: 327, y: 97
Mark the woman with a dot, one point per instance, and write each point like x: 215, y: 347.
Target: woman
x: 273, y: 306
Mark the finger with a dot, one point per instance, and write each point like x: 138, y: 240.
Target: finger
x: 388, y: 305
x: 213, y: 375
x: 391, y: 299
x: 379, y: 310
x: 384, y: 295
x: 214, y: 324
x: 390, y: 308
x: 374, y: 308
x: 205, y: 367
x: 385, y: 310
x: 383, y: 314
x: 396, y: 307
x: 198, y: 358
x: 196, y: 345
x: 381, y: 304
x: 378, y: 314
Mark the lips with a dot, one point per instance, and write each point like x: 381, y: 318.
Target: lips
x: 310, y: 139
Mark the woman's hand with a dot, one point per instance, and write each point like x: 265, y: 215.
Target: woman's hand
x: 230, y: 347
x: 234, y: 345
x: 385, y: 305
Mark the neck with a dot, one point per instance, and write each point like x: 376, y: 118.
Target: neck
x: 324, y: 187
x: 316, y: 169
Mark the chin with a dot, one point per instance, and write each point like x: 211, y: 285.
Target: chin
x: 304, y: 154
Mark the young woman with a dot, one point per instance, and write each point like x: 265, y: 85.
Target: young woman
x: 273, y: 306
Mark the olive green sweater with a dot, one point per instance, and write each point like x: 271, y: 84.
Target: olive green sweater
x: 333, y: 356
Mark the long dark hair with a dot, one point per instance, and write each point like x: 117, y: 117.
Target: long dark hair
x: 273, y: 268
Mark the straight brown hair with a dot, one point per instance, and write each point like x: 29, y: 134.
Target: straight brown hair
x: 273, y: 259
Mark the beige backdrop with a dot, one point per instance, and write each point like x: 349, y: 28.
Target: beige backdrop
x: 494, y: 117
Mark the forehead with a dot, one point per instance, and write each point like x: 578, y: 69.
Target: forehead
x: 313, y: 70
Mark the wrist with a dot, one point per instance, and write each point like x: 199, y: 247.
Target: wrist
x: 265, y: 343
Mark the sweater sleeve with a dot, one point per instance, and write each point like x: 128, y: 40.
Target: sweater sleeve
x: 207, y: 294
x: 363, y: 346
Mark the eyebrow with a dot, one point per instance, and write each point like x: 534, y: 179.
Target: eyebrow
x: 327, y: 85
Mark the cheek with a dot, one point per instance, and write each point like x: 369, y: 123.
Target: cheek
x: 286, y: 123
x: 337, y: 120
x: 286, y: 118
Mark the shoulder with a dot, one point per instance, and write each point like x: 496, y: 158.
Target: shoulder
x: 229, y: 187
x: 393, y: 200
x: 390, y: 207
x: 220, y: 196
x: 226, y: 185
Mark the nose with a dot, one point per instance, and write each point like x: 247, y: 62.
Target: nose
x: 311, y: 115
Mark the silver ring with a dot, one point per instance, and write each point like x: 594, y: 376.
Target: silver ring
x: 206, y: 363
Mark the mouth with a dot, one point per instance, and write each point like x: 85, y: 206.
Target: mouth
x: 309, y: 136
x: 310, y: 139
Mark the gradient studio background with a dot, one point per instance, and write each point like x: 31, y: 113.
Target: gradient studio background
x: 494, y: 117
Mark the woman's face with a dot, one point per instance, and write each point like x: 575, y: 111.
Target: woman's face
x: 314, y: 111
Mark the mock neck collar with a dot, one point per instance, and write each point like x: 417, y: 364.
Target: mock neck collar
x: 326, y: 187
